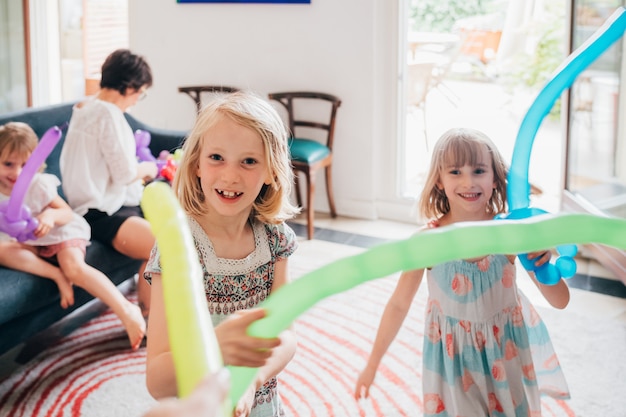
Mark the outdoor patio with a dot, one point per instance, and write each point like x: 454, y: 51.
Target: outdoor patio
x: 489, y: 107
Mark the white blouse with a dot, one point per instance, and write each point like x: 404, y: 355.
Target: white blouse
x: 98, y: 160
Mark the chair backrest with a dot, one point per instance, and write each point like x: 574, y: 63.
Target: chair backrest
x: 302, y: 112
x: 195, y: 92
x: 419, y: 83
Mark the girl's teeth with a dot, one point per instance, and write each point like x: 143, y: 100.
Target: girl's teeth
x: 229, y: 194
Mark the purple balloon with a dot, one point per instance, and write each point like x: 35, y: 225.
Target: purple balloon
x: 15, y: 218
x: 142, y: 140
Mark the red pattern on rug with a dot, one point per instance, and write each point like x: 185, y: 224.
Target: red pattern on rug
x: 335, y: 338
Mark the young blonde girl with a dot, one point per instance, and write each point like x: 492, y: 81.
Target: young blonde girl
x: 234, y: 182
x: 486, y: 350
x: 61, y: 235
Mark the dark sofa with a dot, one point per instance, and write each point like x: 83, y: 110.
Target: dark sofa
x: 30, y: 304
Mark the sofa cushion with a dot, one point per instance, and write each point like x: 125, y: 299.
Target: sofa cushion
x: 24, y: 293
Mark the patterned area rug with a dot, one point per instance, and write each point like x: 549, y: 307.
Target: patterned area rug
x: 92, y: 373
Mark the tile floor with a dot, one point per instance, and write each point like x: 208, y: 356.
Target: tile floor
x: 595, y: 291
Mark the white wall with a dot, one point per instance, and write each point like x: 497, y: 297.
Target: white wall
x: 342, y: 47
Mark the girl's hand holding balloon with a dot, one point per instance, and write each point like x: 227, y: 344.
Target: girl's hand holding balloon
x: 46, y: 223
x: 238, y: 350
x: 539, y: 258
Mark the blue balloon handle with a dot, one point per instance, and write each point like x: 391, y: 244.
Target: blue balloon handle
x: 564, y: 265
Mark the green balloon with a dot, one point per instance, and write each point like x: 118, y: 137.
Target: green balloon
x: 425, y: 249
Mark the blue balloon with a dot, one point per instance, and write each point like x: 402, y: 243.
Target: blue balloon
x: 550, y: 274
x: 566, y: 266
x: 518, y: 186
x: 518, y: 191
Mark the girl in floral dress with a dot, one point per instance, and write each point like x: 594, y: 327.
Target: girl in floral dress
x: 234, y: 182
x: 486, y: 350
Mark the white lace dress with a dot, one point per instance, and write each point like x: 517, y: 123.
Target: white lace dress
x: 237, y: 284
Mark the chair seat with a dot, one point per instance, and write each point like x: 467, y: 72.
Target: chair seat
x: 315, y: 153
x: 307, y: 150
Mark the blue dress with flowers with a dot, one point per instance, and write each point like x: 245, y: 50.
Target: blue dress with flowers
x: 486, y: 350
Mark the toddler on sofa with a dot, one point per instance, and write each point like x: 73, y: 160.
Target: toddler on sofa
x: 62, y: 236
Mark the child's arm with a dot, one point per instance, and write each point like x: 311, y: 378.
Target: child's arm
x: 160, y: 376
x: 57, y: 213
x: 205, y: 401
x: 237, y: 348
x: 557, y: 295
x: 390, y: 323
x: 281, y: 355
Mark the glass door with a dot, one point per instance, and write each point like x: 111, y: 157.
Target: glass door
x: 595, y: 173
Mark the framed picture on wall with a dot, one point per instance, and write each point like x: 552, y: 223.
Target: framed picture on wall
x: 243, y: 1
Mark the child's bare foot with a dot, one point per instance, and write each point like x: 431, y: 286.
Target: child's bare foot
x: 135, y: 325
x: 66, y: 291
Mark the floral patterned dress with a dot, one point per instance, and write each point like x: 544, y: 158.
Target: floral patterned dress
x: 237, y: 284
x: 486, y: 350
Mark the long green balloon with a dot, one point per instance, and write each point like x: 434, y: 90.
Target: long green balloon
x: 193, y: 343
x: 192, y: 340
x: 431, y: 247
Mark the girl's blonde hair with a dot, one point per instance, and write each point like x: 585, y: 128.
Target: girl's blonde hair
x: 272, y: 205
x: 18, y: 138
x: 458, y: 147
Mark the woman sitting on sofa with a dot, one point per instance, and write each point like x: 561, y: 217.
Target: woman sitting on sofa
x: 102, y: 179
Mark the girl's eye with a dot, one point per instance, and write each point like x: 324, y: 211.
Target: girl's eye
x: 455, y: 171
x: 215, y: 157
x: 249, y: 161
x: 479, y: 171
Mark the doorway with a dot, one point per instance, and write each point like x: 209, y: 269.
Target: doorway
x: 489, y: 59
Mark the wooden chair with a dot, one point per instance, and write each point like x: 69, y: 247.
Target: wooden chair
x: 308, y: 155
x: 195, y: 92
x: 419, y: 84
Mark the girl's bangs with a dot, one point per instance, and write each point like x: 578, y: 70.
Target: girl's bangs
x: 21, y: 149
x: 464, y: 152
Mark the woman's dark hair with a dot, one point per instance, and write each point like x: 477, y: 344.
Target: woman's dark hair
x: 122, y: 69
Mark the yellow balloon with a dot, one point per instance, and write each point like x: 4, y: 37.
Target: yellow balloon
x: 193, y: 343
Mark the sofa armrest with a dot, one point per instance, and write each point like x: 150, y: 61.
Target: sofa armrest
x: 160, y: 139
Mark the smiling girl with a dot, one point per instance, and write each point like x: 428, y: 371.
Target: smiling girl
x: 233, y: 181
x: 486, y: 350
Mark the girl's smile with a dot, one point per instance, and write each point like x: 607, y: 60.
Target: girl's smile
x: 229, y: 194
x: 232, y: 168
x: 470, y: 197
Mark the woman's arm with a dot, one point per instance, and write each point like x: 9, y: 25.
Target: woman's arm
x: 390, y: 323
